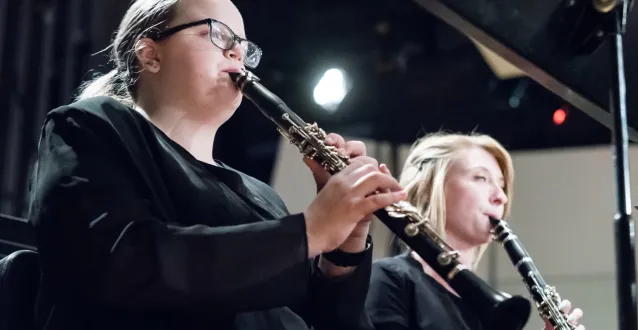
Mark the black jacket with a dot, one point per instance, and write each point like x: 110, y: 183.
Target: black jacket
x: 135, y: 233
x: 403, y: 297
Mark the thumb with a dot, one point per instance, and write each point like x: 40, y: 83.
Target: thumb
x: 313, y: 165
x: 317, y: 170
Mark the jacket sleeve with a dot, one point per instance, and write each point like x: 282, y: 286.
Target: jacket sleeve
x: 338, y: 303
x: 100, y: 239
x: 389, y: 298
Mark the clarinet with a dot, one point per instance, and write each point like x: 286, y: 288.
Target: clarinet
x: 497, y: 310
x: 546, y: 298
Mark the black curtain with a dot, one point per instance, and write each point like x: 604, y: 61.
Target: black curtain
x: 46, y: 49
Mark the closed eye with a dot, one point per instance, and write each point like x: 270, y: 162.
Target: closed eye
x: 216, y: 34
x: 480, y: 177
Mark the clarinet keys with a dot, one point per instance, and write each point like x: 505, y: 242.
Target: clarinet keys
x: 445, y: 258
x: 544, y: 296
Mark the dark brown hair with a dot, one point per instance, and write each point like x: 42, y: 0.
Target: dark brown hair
x: 142, y: 19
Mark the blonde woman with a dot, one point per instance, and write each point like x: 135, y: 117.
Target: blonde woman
x: 457, y: 181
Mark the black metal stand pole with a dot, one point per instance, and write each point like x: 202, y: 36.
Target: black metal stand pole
x: 623, y: 222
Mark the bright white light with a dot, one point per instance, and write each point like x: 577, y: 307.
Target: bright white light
x: 331, y: 89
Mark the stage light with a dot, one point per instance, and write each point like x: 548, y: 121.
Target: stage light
x: 559, y: 116
x: 331, y: 89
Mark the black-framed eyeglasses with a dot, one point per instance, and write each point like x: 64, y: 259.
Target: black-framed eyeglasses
x: 222, y: 37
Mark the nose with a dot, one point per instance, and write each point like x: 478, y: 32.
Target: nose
x: 236, y: 52
x: 498, y: 196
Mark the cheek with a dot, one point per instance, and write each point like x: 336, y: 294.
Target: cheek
x: 195, y: 62
x: 182, y: 69
x: 204, y: 64
x: 461, y: 203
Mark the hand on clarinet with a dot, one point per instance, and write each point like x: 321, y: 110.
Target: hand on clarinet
x: 352, y: 149
x: 340, y: 215
x: 573, y: 317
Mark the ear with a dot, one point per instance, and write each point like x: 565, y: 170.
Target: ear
x: 147, y: 53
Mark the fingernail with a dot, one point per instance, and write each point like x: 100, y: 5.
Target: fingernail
x: 562, y: 305
x: 329, y: 140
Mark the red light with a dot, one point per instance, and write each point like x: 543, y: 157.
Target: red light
x: 559, y: 116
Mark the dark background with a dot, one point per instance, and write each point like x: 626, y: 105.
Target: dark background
x: 411, y: 74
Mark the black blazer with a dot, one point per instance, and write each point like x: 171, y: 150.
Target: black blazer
x: 135, y: 233
x: 403, y: 297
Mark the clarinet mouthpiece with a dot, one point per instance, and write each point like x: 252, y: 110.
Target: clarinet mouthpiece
x: 234, y: 76
x: 241, y: 79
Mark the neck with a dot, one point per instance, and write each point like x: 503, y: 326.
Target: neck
x: 189, y: 129
x: 467, y: 258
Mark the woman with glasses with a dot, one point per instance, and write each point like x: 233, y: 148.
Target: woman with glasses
x: 139, y: 227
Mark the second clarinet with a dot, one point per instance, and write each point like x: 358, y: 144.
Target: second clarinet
x: 546, y: 298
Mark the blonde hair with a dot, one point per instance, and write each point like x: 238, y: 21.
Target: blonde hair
x: 425, y: 172
x: 144, y: 18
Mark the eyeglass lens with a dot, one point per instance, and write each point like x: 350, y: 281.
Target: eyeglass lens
x: 223, y: 37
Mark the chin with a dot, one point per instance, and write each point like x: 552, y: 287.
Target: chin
x: 238, y: 98
x: 484, y: 236
x: 228, y: 97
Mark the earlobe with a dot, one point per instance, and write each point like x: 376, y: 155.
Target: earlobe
x: 147, y: 55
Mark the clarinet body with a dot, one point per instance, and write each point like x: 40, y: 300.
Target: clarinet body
x: 497, y: 310
x: 546, y: 298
